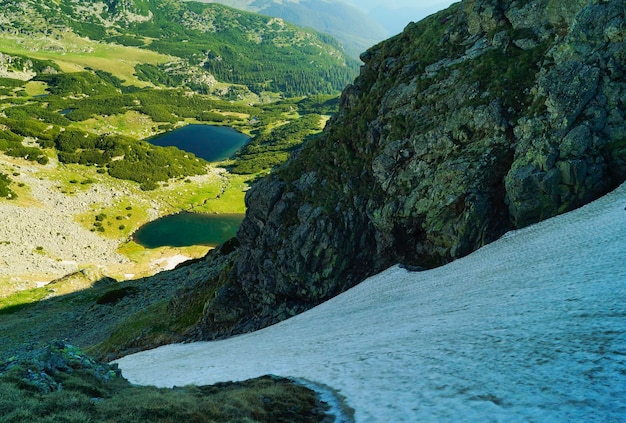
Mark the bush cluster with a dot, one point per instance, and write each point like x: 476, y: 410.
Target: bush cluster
x: 5, y: 191
x: 272, y: 148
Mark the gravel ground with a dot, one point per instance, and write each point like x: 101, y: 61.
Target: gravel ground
x: 41, y: 241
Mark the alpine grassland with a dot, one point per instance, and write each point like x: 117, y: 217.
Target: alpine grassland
x: 59, y: 382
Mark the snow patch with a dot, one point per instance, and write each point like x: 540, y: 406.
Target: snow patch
x: 335, y: 401
x: 529, y: 328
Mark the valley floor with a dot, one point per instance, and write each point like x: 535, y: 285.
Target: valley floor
x: 529, y: 328
x: 49, y: 232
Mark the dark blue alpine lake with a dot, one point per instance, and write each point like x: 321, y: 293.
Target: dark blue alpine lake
x: 209, y: 142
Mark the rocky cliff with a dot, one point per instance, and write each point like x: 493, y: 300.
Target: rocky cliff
x: 486, y: 117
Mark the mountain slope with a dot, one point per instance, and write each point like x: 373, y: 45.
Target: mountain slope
x: 529, y: 328
x: 475, y: 121
x: 203, y: 41
x: 355, y: 30
x: 82, y: 83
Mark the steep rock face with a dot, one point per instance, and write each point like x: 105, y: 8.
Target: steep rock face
x: 483, y: 118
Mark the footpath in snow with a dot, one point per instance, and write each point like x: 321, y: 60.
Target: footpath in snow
x: 529, y: 328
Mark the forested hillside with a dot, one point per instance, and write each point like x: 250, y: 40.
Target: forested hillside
x: 65, y: 66
x: 202, y: 40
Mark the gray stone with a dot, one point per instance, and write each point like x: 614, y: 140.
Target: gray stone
x: 576, y: 142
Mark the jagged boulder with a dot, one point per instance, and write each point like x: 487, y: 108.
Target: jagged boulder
x: 486, y: 117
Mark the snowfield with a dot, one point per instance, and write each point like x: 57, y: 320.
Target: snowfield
x: 529, y: 328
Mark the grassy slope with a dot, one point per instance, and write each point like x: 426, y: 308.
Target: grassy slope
x: 59, y: 382
x: 110, y: 319
x: 78, y: 53
x: 265, y: 399
x: 107, y: 318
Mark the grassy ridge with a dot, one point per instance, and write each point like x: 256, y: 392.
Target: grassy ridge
x: 75, y: 54
x: 60, y: 383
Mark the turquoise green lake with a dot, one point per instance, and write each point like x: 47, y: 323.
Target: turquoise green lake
x: 186, y: 229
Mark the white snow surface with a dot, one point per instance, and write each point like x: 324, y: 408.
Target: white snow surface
x: 529, y: 328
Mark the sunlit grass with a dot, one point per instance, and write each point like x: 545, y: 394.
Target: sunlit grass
x: 34, y: 88
x: 117, y: 220
x: 231, y: 200
x: 21, y: 299
x: 74, y: 54
x: 131, y: 123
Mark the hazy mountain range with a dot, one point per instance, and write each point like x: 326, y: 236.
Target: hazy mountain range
x: 352, y: 27
x: 393, y: 16
x: 357, y: 24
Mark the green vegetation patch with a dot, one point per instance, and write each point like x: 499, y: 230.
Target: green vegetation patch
x: 127, y: 158
x: 496, y: 70
x: 158, y: 75
x: 78, y: 83
x: 23, y: 299
x: 5, y: 191
x: 36, y: 112
x: 148, y: 165
x: 11, y: 83
x: 272, y: 148
x: 60, y: 383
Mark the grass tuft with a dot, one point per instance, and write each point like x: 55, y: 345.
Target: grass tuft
x: 59, y: 383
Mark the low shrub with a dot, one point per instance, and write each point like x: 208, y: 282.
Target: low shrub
x: 116, y: 295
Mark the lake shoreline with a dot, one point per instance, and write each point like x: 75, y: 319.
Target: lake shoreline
x: 47, y: 241
x: 186, y: 228
x: 212, y: 143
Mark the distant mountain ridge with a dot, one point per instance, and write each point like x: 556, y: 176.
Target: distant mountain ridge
x: 394, y: 16
x: 354, y: 29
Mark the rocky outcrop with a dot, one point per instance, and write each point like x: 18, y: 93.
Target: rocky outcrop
x: 483, y: 118
x: 44, y: 369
